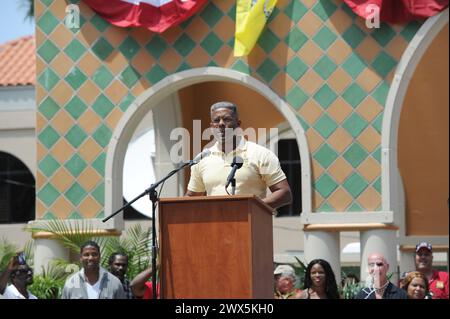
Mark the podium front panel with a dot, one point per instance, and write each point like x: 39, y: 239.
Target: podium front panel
x: 208, y: 249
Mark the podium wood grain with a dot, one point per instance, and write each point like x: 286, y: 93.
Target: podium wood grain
x: 216, y: 247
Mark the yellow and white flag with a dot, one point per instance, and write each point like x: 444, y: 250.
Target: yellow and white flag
x: 251, y: 16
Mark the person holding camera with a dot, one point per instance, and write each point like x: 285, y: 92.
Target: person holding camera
x: 20, y: 276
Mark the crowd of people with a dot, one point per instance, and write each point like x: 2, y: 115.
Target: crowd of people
x: 260, y: 171
x: 95, y: 282
x: 91, y: 282
x: 424, y: 282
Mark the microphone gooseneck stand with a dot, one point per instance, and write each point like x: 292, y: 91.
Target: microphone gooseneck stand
x: 233, y: 186
x: 153, y: 195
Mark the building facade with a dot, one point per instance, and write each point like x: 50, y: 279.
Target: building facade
x: 347, y: 96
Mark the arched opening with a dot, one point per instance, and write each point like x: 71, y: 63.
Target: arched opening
x: 288, y: 153
x: 139, y: 169
x: 261, y: 123
x: 153, y: 99
x: 393, y: 190
x: 423, y: 143
x: 17, y: 189
x: 290, y: 162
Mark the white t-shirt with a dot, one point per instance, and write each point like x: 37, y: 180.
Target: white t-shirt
x: 11, y: 292
x: 93, y: 291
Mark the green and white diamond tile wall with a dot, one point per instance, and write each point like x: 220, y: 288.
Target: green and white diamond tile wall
x: 316, y: 55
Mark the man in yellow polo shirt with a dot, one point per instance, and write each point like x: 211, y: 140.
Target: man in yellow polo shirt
x: 260, y: 170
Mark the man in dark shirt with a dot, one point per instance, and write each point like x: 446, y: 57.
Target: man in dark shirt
x: 379, y: 286
x: 118, y: 265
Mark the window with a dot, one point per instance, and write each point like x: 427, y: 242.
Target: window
x: 290, y: 163
x: 139, y: 173
x: 17, y: 191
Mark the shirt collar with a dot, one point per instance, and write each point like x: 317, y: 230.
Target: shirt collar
x: 18, y: 295
x: 101, y: 274
x: 242, y: 146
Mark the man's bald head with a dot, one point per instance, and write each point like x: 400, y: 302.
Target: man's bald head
x: 378, y: 266
x: 377, y: 256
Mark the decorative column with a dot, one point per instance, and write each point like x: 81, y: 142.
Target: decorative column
x: 47, y: 249
x: 324, y: 245
x: 383, y: 241
x: 407, y: 263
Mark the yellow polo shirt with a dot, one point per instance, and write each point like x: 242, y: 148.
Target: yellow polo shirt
x: 261, y: 169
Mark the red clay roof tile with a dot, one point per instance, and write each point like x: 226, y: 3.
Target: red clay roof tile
x: 18, y: 62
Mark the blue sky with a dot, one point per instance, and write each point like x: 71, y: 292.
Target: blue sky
x: 13, y: 24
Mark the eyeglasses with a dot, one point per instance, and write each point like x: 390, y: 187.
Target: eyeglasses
x: 24, y: 270
x: 379, y: 264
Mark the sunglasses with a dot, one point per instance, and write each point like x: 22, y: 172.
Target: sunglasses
x: 24, y: 270
x: 379, y: 264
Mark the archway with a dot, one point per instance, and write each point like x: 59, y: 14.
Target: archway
x: 17, y: 186
x: 393, y: 198
x: 163, y: 90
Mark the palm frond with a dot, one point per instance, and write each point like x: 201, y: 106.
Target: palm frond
x: 29, y: 7
x: 46, y: 287
x: 300, y: 271
x: 7, y: 251
x: 134, y: 243
x: 70, y: 235
x: 28, y: 250
x: 139, y: 240
x: 68, y: 267
x: 49, y: 284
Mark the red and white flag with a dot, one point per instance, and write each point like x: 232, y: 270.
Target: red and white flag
x: 398, y: 11
x: 155, y: 15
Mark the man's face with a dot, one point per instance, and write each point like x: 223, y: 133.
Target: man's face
x: 119, y: 266
x: 284, y: 284
x: 23, y: 275
x: 378, y: 268
x: 223, y: 123
x: 424, y: 259
x: 90, y: 258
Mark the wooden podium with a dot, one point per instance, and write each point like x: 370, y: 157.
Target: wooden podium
x: 216, y: 247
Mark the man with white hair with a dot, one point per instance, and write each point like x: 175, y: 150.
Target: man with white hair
x: 285, y: 279
x: 379, y: 286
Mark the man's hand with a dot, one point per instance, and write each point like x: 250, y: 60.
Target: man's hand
x: 13, y: 263
x: 190, y: 193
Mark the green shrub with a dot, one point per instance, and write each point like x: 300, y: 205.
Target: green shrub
x: 135, y: 243
x: 45, y: 287
x: 7, y: 251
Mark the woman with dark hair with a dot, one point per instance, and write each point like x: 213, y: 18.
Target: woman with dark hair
x: 320, y: 282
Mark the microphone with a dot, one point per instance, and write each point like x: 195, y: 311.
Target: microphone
x: 235, y: 165
x: 205, y: 153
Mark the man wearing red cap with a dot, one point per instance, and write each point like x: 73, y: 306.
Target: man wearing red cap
x: 438, y: 280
